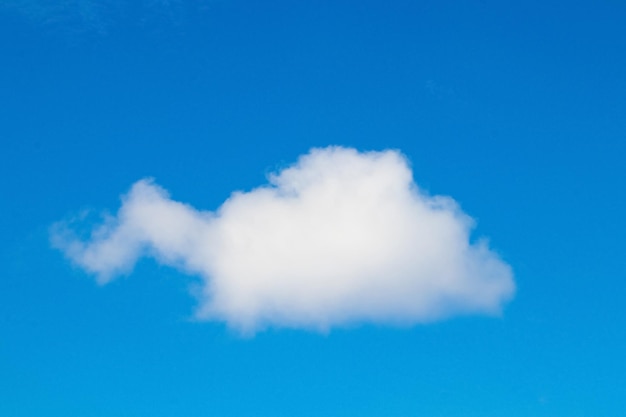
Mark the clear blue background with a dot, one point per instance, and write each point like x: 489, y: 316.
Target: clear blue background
x: 517, y: 110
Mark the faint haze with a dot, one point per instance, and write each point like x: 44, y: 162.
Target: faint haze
x: 101, y: 17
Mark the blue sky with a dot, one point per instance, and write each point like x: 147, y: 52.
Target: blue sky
x: 517, y: 111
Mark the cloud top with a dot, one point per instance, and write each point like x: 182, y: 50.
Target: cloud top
x: 339, y: 237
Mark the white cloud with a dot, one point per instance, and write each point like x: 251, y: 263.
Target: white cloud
x: 339, y: 237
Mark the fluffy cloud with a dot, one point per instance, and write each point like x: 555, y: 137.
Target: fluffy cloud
x: 339, y: 237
